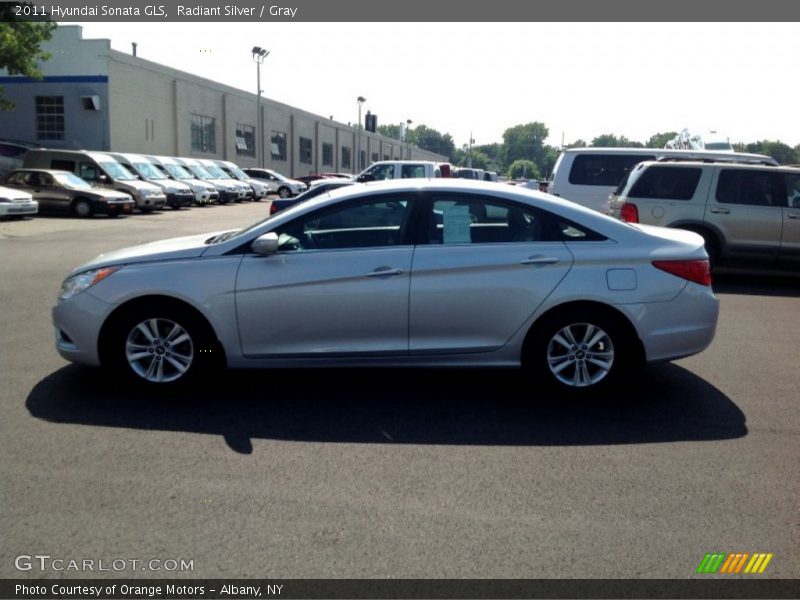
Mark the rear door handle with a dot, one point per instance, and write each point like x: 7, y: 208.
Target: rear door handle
x: 794, y: 215
x: 721, y: 211
x: 539, y: 260
x: 384, y: 271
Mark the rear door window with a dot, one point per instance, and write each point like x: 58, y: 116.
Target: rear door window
x: 603, y: 169
x: 667, y: 183
x: 751, y: 187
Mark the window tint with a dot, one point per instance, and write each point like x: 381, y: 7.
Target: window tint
x: 367, y: 224
x: 669, y: 183
x: 746, y: 187
x: 603, y: 169
x: 472, y: 219
x: 793, y: 189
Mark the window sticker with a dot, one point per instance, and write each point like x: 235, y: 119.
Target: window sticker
x: 456, y: 220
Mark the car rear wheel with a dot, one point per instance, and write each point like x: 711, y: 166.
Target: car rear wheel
x: 82, y: 208
x: 162, y: 346
x: 580, y: 352
x: 284, y: 192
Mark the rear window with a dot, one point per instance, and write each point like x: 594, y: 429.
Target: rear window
x: 603, y: 169
x: 667, y: 183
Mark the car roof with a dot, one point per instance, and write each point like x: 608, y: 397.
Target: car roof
x: 727, y: 164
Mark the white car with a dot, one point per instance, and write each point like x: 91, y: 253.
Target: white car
x: 283, y: 186
x: 414, y: 272
x: 16, y: 203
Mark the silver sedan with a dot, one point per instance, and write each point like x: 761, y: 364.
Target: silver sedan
x: 445, y: 272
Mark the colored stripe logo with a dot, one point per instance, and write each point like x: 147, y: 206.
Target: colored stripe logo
x: 734, y: 563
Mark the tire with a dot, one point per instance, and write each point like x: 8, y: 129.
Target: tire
x: 161, y: 346
x: 82, y: 208
x: 284, y: 192
x: 580, y: 351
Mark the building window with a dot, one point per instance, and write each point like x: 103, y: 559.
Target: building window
x: 362, y: 159
x: 374, y: 157
x: 305, y: 151
x: 49, y: 117
x: 345, y: 157
x: 327, y: 155
x: 245, y: 140
x: 204, y: 138
x: 278, y: 146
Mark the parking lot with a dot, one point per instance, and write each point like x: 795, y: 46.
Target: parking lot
x: 391, y: 473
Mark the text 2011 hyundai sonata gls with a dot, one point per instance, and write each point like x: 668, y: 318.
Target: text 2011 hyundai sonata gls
x: 406, y: 273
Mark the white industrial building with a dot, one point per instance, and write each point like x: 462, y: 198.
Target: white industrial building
x: 96, y: 98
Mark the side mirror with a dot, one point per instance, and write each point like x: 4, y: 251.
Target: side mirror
x: 102, y: 178
x: 266, y: 244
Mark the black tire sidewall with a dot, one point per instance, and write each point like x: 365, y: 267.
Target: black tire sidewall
x: 536, y: 360
x: 202, y: 341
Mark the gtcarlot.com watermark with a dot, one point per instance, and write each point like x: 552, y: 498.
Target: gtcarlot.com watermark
x: 47, y: 563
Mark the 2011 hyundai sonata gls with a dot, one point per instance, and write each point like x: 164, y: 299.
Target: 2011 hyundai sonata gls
x: 405, y: 273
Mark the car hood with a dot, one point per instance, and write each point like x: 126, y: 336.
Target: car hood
x: 141, y: 185
x: 172, y: 249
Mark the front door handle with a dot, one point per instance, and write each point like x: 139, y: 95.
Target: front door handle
x: 384, y: 271
x: 539, y: 260
x: 721, y: 211
x: 794, y: 215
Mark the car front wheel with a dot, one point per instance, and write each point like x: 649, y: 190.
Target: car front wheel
x: 162, y: 346
x: 284, y: 192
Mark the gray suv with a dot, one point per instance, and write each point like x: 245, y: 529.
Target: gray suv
x: 744, y: 212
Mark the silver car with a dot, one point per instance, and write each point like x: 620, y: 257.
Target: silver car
x: 411, y: 272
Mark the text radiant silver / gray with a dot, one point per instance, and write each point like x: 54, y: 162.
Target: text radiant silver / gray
x: 403, y: 273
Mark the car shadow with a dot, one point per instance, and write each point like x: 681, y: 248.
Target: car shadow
x: 731, y: 281
x: 666, y: 403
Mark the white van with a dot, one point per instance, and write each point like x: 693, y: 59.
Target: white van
x: 204, y: 192
x: 178, y: 194
x: 99, y: 169
x: 588, y: 176
x: 228, y: 191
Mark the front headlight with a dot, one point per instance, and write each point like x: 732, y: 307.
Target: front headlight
x: 77, y: 283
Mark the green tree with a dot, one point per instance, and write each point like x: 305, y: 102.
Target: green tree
x: 609, y: 140
x: 20, y: 46
x: 392, y: 131
x: 659, y: 140
x: 784, y: 154
x: 524, y: 142
x: 429, y: 139
x: 524, y: 168
x: 577, y: 144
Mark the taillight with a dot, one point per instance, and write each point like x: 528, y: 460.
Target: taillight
x: 273, y: 208
x: 698, y: 271
x: 629, y: 213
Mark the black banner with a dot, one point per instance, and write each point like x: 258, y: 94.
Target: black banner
x: 245, y: 589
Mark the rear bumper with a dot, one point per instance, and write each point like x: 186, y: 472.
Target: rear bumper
x: 684, y: 326
x: 13, y: 209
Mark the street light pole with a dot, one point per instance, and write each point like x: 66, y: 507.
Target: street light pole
x: 259, y: 54
x: 408, y: 144
x: 360, y: 101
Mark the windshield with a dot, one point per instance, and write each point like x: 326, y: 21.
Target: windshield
x: 71, y: 180
x: 147, y: 170
x: 177, y: 171
x: 217, y: 172
x: 117, y: 171
x: 200, y: 172
x: 276, y: 175
x: 238, y: 173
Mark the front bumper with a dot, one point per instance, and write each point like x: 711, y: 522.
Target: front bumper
x: 14, y: 209
x: 179, y: 200
x: 77, y: 323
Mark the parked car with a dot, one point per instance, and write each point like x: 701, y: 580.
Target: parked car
x: 178, y: 193
x: 321, y: 188
x: 204, y: 192
x: 244, y: 191
x: 227, y: 190
x: 260, y: 189
x: 399, y: 169
x: 16, y: 203
x: 588, y: 175
x: 64, y: 192
x: 577, y: 298
x: 307, y: 179
x: 283, y: 186
x: 12, y: 155
x: 744, y: 212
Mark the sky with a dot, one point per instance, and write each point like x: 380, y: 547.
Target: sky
x: 580, y: 79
